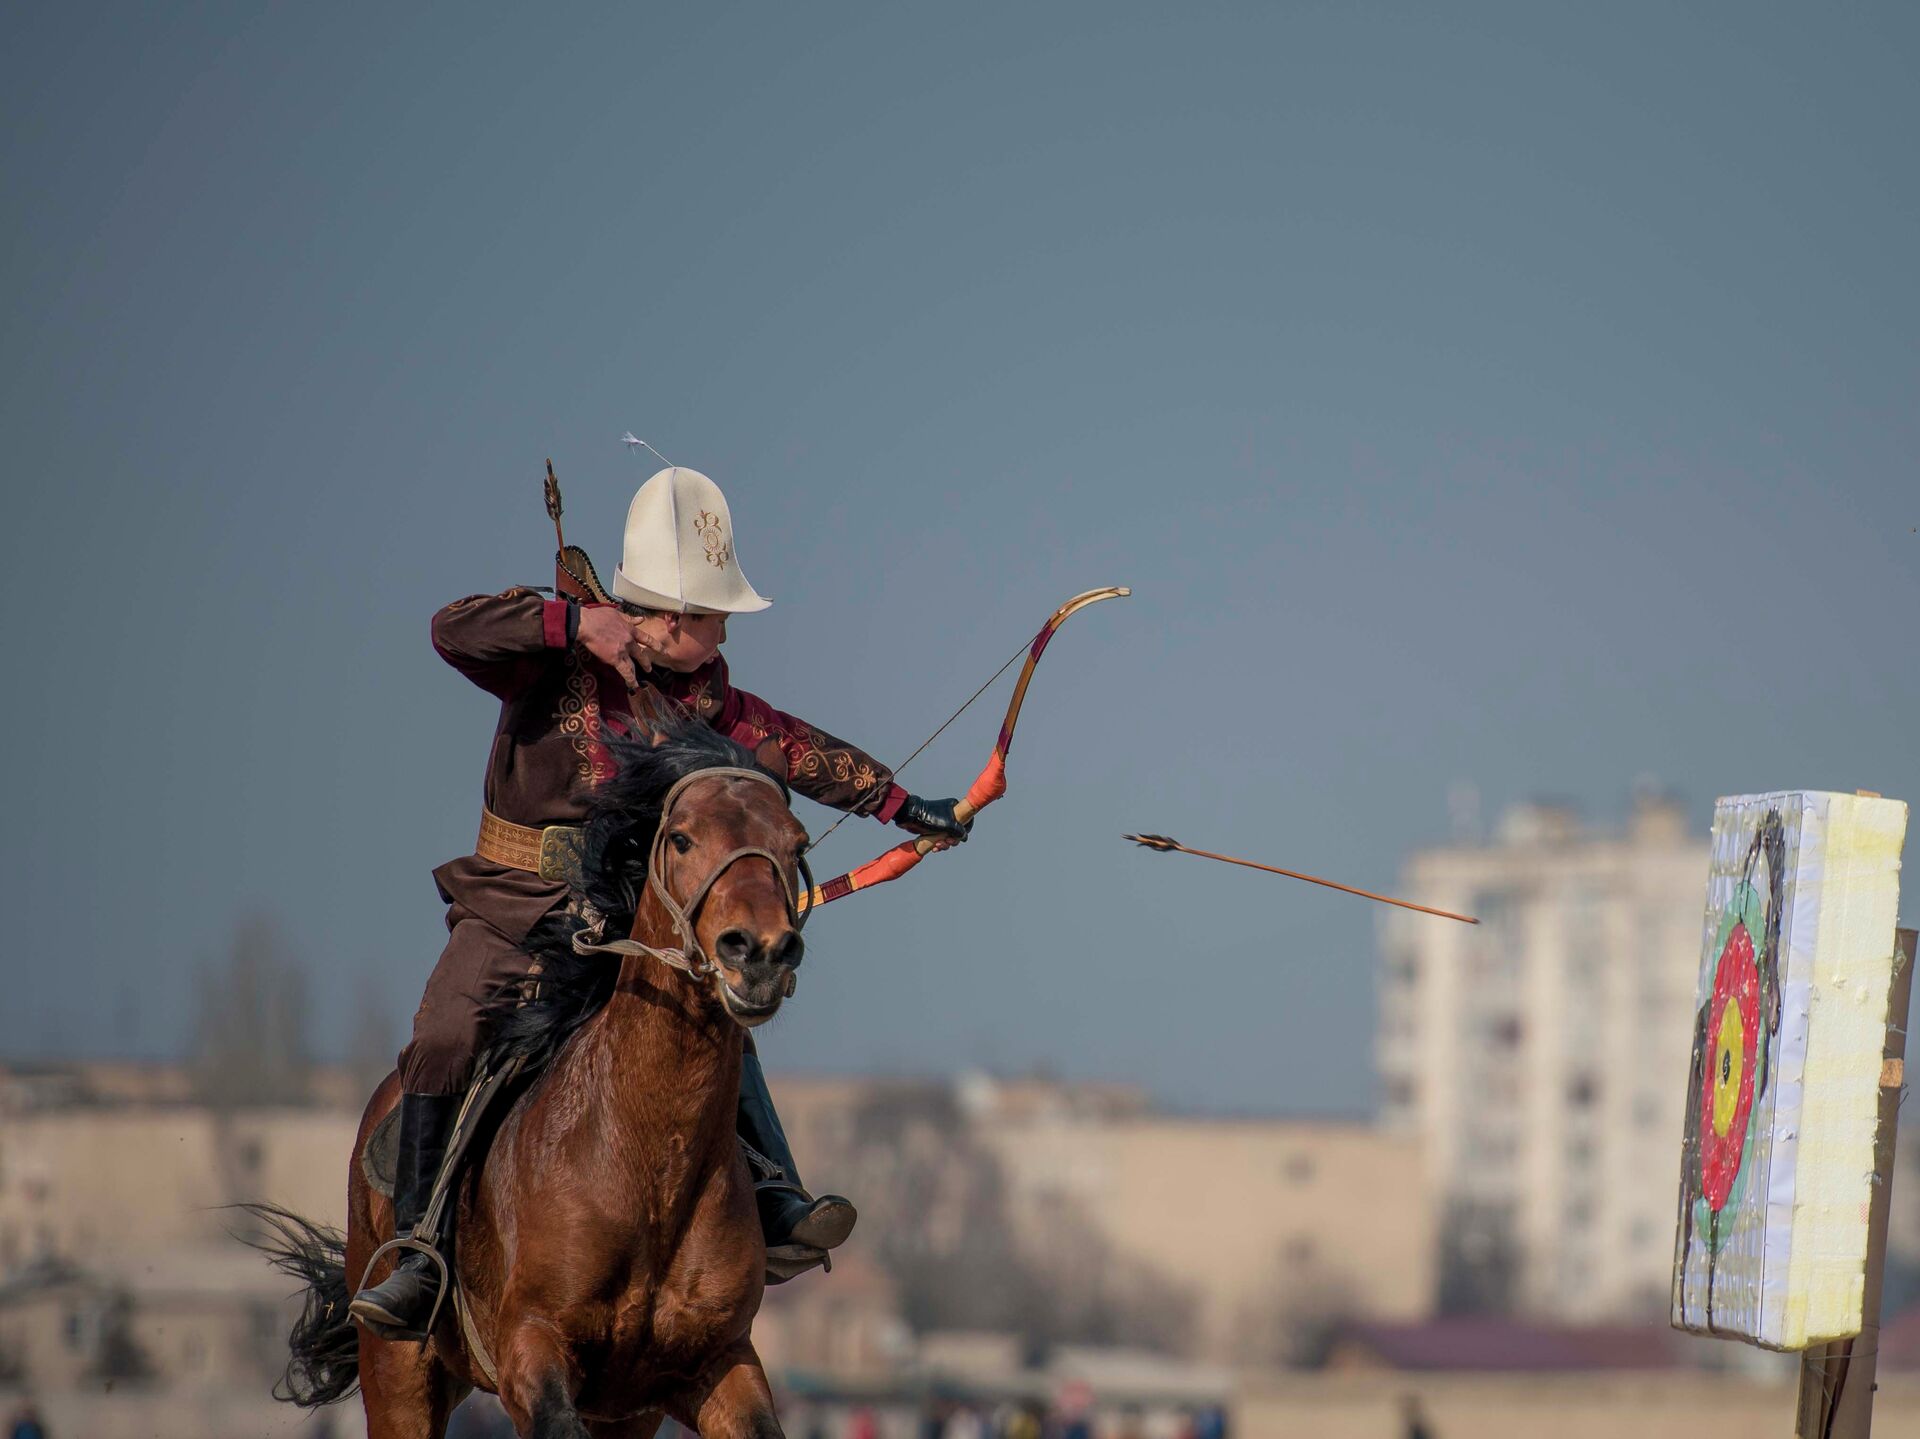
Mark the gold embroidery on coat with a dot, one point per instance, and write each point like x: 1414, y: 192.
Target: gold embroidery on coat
x: 580, y: 722
x: 815, y: 763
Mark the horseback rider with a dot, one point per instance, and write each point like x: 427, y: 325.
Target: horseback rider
x: 565, y: 670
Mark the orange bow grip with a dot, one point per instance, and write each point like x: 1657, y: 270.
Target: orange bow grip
x: 991, y: 784
x: 891, y: 865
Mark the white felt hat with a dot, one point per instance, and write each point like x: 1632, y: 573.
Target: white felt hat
x: 679, y: 550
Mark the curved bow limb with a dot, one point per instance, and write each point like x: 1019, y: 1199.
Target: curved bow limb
x: 987, y: 787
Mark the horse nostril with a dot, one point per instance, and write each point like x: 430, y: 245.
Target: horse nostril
x: 733, y: 948
x: 788, y: 950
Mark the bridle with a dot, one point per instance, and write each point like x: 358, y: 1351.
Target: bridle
x: 689, y: 958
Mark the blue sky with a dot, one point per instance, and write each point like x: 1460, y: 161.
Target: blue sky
x: 1515, y: 396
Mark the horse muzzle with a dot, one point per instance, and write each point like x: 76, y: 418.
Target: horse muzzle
x: 755, y: 974
x: 754, y: 1005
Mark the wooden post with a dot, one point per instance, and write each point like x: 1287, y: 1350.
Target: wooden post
x: 1837, y: 1378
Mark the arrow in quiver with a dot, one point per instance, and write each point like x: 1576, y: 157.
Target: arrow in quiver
x: 574, y: 577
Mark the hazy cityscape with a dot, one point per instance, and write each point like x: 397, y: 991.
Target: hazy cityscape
x: 1031, y: 1246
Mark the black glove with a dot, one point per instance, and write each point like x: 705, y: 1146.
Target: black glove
x: 933, y: 818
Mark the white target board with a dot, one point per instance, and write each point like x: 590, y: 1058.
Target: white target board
x: 1783, y: 1099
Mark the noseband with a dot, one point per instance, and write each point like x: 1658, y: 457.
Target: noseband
x: 689, y: 959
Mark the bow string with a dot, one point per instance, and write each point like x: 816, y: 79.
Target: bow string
x: 988, y: 786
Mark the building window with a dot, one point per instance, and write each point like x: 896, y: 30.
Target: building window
x: 1582, y: 1091
x: 1488, y: 1150
x: 1299, y: 1168
x: 1500, y: 1087
x: 1299, y: 1252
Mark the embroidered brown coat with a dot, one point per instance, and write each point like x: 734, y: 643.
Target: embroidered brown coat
x: 554, y: 700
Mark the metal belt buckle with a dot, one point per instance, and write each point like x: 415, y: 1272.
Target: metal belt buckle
x: 560, y: 848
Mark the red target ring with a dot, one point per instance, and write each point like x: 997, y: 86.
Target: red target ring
x: 1733, y: 1047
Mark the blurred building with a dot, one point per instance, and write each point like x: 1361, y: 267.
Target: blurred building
x: 1541, y: 1058
x: 1274, y: 1227
x: 1509, y: 1346
x: 847, y: 1325
x: 126, y: 1306
x: 1228, y: 1239
x: 1001, y: 1220
x: 196, y: 1317
x: 93, y: 1180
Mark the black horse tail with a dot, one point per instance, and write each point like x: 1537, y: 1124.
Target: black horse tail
x: 323, y: 1362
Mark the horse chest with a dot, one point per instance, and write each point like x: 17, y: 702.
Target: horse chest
x: 694, y: 1306
x: 661, y: 1334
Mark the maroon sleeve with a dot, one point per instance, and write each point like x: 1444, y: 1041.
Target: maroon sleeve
x: 501, y: 641
x: 819, y: 766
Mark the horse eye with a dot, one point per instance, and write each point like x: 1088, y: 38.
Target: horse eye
x: 680, y: 841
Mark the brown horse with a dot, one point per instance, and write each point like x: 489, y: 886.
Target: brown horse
x: 608, y: 1246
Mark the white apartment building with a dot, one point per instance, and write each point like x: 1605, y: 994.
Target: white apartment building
x: 1541, y: 1057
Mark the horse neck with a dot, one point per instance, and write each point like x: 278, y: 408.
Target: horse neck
x: 663, y: 1066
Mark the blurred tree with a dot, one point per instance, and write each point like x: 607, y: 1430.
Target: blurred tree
x: 936, y: 1209
x: 373, y: 1048
x: 119, y: 1355
x: 250, y: 1025
x: 1296, y: 1325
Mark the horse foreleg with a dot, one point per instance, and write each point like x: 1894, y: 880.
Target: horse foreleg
x: 737, y: 1403
x: 408, y: 1394
x: 538, y: 1382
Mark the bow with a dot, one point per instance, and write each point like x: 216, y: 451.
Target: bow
x: 988, y: 787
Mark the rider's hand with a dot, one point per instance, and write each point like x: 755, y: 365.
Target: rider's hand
x: 933, y: 818
x: 615, y: 640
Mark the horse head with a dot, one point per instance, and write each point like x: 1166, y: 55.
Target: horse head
x: 693, y: 841
x: 729, y: 861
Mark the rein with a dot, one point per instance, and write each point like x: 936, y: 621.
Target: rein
x: 689, y: 959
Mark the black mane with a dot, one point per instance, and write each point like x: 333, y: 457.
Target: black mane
x: 532, y: 1022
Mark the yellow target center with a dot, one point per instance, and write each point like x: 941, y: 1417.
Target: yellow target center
x: 1729, y: 1063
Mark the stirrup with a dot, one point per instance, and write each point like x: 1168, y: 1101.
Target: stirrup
x: 417, y: 1246
x: 790, y: 1261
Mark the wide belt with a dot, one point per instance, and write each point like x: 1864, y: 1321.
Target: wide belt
x: 552, y: 853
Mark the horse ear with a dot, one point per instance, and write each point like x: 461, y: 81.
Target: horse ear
x: 770, y: 757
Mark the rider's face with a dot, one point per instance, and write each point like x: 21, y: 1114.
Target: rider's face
x: 683, y: 643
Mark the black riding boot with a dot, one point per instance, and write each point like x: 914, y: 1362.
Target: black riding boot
x: 399, y: 1307
x: 799, y: 1229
